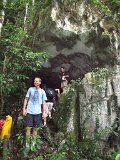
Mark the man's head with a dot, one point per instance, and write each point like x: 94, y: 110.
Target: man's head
x: 37, y: 81
x: 62, y: 69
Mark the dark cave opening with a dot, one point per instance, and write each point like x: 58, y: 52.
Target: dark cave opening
x: 49, y: 79
x: 76, y: 65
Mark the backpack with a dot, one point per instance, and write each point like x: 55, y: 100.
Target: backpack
x: 50, y: 93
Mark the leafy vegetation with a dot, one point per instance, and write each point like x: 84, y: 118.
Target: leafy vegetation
x: 16, y: 58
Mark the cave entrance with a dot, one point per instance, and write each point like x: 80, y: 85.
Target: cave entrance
x: 49, y: 79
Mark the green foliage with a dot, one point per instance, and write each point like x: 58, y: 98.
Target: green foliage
x: 101, y: 5
x: 85, y: 149
x: 38, y: 158
x: 17, y: 57
x: 56, y: 156
x: 4, y: 149
x: 46, y: 7
x: 99, y: 76
x: 76, y: 82
x: 116, y: 155
x: 33, y: 145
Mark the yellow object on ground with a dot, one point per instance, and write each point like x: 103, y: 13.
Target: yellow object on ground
x: 6, y: 128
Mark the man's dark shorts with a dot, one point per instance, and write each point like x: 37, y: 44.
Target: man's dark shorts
x: 33, y: 120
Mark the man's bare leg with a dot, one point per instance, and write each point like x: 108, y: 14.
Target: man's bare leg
x: 35, y: 130
x: 28, y: 132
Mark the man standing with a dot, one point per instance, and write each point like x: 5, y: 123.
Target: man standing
x: 35, y: 97
x: 63, y: 78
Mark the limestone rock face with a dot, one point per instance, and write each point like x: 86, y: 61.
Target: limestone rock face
x: 77, y: 37
x: 91, y: 110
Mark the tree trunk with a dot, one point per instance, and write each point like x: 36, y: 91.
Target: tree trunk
x: 2, y: 95
x: 2, y: 15
x: 2, y: 102
x: 26, y: 13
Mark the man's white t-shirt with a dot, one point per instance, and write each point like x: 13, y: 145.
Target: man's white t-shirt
x: 36, y: 98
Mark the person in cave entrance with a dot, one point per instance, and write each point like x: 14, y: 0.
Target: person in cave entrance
x: 63, y: 79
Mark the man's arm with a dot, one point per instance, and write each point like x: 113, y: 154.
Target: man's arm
x: 25, y: 106
x: 44, y: 110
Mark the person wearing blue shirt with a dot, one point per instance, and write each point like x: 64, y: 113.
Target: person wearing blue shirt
x: 35, y: 98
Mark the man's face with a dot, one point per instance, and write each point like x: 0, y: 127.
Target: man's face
x: 62, y: 69
x: 37, y: 82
